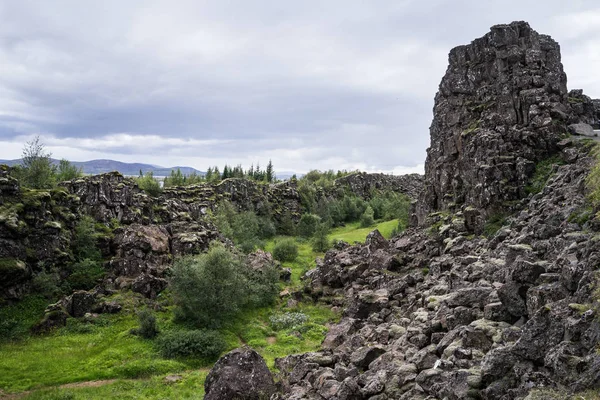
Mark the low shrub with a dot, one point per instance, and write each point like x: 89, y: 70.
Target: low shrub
x: 203, y: 344
x: 288, y: 320
x: 148, y: 328
x: 285, y: 250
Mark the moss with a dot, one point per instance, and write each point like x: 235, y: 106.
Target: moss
x: 580, y: 308
x: 11, y: 266
x: 543, y: 172
x: 581, y: 215
x: 473, y: 126
x: 593, y: 179
x: 53, y: 225
x: 494, y: 223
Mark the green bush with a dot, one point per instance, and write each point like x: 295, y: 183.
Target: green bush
x: 213, y: 287
x: 149, y: 185
x: 308, y: 225
x: 204, y: 344
x: 320, y: 242
x: 85, y: 274
x: 543, y: 171
x: 85, y: 239
x: 37, y: 171
x: 285, y: 250
x: 367, y: 219
x: 67, y: 171
x: 148, y: 328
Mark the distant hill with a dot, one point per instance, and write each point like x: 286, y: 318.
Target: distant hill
x: 94, y: 167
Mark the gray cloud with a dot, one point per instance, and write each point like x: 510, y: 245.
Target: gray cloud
x: 336, y: 84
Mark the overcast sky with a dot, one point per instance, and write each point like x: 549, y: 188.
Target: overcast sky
x: 321, y: 84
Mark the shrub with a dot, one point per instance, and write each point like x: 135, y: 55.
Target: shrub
x: 209, y: 288
x: 286, y: 225
x: 288, y: 320
x: 67, y: 171
x: 148, y: 328
x: 204, y: 344
x: 367, y: 219
x: 85, y: 274
x: 321, y: 242
x: 285, y: 250
x: 149, y: 185
x: 212, y: 287
x: 85, y: 239
x: 37, y: 172
x: 308, y: 225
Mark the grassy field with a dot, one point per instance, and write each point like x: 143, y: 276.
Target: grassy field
x: 106, y: 350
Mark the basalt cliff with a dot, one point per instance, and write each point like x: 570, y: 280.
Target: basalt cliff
x: 492, y: 294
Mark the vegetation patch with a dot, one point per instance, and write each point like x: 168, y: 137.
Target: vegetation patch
x: 543, y: 172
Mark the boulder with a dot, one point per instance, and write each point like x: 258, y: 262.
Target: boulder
x: 240, y: 374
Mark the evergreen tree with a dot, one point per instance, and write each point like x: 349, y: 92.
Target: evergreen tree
x: 270, y: 174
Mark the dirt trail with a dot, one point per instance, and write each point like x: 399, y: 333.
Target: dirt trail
x: 14, y: 396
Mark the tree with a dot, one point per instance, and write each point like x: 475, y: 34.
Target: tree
x: 149, y: 185
x: 308, y: 225
x: 366, y: 219
x: 321, y: 241
x: 38, y: 170
x: 67, y: 171
x: 213, y: 287
x: 270, y: 174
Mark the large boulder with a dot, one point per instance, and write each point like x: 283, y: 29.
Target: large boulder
x: 241, y: 374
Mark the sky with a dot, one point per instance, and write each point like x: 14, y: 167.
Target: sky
x: 327, y: 84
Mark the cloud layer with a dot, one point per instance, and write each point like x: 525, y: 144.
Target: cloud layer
x: 311, y: 84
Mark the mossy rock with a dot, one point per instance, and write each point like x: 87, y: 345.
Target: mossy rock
x: 12, y: 270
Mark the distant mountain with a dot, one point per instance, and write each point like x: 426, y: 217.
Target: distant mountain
x: 94, y: 167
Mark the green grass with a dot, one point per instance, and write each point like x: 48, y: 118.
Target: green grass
x: 352, y: 232
x: 17, y: 319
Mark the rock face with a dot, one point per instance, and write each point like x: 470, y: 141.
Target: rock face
x: 501, y: 107
x: 239, y: 375
x: 365, y: 185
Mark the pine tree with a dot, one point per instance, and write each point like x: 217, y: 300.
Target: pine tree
x: 270, y: 176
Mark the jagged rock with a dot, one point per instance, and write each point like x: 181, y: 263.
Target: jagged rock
x: 495, y: 115
x: 148, y: 285
x: 365, y: 355
x: 240, y: 374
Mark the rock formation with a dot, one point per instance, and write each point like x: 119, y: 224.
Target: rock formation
x: 501, y: 107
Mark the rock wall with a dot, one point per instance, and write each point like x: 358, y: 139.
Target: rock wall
x: 366, y: 185
x: 501, y: 107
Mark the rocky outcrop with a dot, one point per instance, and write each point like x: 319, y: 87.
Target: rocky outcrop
x: 501, y: 107
x: 241, y: 374
x: 366, y: 185
x: 439, y: 313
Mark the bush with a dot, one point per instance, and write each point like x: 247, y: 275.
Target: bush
x: 367, y: 219
x: 148, y: 328
x: 204, y: 344
x: 288, y: 320
x: 67, y: 171
x: 85, y: 274
x: 308, y: 225
x: 321, y: 242
x: 149, y: 185
x: 209, y: 288
x: 285, y: 250
x: 212, y: 287
x: 37, y: 172
x: 84, y: 240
